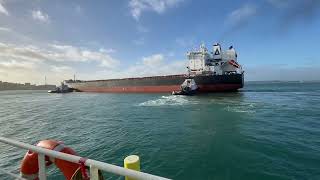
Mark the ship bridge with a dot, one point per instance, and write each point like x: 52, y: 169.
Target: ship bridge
x: 217, y: 62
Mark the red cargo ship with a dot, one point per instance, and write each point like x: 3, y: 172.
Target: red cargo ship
x: 216, y: 71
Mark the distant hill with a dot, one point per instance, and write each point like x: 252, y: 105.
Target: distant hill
x: 26, y: 86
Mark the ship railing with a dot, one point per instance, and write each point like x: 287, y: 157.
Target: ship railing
x: 92, y: 164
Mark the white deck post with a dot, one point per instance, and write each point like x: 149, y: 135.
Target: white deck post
x: 42, y: 167
x: 94, y: 175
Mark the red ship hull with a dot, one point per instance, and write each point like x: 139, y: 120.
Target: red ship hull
x: 160, y: 84
x: 160, y: 89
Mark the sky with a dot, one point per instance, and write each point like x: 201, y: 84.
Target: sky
x: 274, y: 39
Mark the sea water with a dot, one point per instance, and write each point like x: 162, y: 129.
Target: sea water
x: 264, y: 131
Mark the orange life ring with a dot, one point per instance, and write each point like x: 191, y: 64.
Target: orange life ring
x: 30, y: 168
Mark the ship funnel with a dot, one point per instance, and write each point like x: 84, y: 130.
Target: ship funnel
x: 217, y: 52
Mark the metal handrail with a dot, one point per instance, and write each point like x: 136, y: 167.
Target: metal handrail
x: 93, y: 164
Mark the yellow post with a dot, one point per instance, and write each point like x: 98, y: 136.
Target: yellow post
x: 132, y: 162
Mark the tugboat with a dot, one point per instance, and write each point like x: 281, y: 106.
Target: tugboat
x: 188, y: 87
x: 61, y: 89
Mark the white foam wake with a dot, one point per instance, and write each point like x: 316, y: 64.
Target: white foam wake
x: 168, y: 101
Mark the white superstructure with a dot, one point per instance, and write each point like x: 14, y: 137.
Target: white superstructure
x: 217, y: 62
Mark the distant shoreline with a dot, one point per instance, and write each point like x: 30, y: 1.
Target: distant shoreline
x: 24, y: 90
x: 7, y: 86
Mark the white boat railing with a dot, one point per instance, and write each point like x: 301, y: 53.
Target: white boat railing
x: 16, y: 177
x: 93, y: 164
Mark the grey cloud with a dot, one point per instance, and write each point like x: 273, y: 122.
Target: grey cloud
x: 57, y: 53
x: 305, y: 10
x: 159, y: 6
x: 3, y: 10
x: 285, y: 12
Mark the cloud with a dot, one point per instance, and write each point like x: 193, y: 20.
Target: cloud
x: 238, y: 19
x: 30, y: 63
x: 56, y: 53
x: 139, y: 41
x: 5, y: 29
x: 154, y: 60
x: 61, y: 69
x: 158, y: 6
x: 71, y: 53
x: 9, y: 35
x: 78, y: 9
x: 60, y: 73
x: 186, y: 42
x: 14, y: 64
x: 14, y: 71
x: 241, y: 15
x: 3, y: 10
x: 59, y: 62
x: 304, y: 11
x: 21, y: 75
x: 110, y: 50
x: 284, y: 12
x: 21, y: 53
x: 155, y: 65
x: 279, y: 3
x: 40, y: 16
x: 142, y: 29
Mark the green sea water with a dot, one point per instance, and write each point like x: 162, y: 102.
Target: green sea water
x: 264, y: 131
